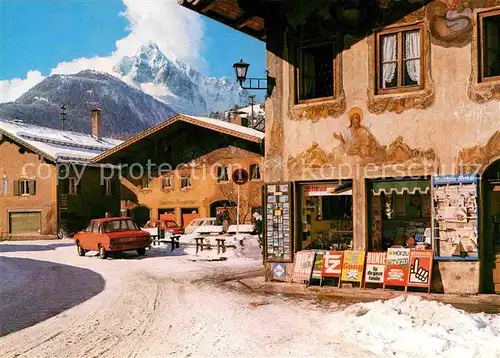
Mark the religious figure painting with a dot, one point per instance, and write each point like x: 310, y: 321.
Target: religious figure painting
x: 359, y: 145
x: 357, y: 139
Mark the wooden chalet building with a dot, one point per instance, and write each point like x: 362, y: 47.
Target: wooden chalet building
x: 182, y: 168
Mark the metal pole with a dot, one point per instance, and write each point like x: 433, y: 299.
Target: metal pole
x: 238, y: 213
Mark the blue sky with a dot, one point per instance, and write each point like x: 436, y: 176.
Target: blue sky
x: 39, y: 35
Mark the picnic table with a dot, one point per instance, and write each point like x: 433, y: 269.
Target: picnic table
x: 161, y: 238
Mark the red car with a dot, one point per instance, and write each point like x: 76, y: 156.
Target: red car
x: 112, y: 234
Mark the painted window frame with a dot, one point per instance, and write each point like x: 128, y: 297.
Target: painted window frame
x: 170, y: 182
x: 399, y: 30
x: 335, y: 74
x: 188, y: 181
x: 481, y: 16
x: 255, y: 168
x: 222, y: 174
x: 24, y: 187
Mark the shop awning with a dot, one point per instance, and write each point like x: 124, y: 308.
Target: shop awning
x: 328, y: 189
x: 401, y: 187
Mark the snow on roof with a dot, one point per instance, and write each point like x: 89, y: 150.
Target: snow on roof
x: 57, y: 144
x: 228, y: 125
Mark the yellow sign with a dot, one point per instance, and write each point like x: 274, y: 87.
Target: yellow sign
x: 352, y: 268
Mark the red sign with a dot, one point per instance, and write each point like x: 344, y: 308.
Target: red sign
x: 240, y: 176
x: 397, y: 267
x: 332, y: 264
x: 420, y: 268
x: 375, y: 267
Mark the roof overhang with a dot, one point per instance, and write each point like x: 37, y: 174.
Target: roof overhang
x: 245, y: 16
x: 177, y: 118
x: 26, y: 145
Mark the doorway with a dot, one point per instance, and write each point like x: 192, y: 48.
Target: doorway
x: 491, y: 203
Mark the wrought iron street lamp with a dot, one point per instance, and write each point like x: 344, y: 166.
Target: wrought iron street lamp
x: 241, y: 70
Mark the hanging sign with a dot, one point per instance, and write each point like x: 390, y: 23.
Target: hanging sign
x: 397, y: 267
x: 375, y: 267
x: 420, y: 268
x: 352, y: 267
x: 332, y: 264
x: 303, y: 266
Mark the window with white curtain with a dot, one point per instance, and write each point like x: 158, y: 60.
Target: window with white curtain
x: 399, y: 59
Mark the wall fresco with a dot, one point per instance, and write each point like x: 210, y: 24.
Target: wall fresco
x: 359, y: 145
x: 451, y: 21
x: 479, y: 156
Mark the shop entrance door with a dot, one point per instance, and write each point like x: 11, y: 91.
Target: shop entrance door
x: 493, y: 221
x: 496, y: 241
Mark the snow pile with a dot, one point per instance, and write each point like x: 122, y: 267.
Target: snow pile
x: 412, y: 326
x: 246, y: 247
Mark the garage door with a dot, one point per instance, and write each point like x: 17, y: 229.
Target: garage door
x: 24, y: 222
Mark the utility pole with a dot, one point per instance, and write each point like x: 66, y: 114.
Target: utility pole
x: 252, y: 103
x: 63, y: 116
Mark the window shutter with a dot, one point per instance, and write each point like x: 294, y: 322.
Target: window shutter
x: 16, y: 188
x: 32, y: 187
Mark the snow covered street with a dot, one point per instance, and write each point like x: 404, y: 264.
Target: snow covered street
x: 169, y: 305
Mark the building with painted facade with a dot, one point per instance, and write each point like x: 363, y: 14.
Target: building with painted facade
x: 384, y: 124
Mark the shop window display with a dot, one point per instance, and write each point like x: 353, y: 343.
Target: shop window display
x: 401, y: 215
x: 327, y: 216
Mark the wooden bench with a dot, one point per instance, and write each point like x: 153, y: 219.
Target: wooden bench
x: 200, y: 244
x: 173, y: 240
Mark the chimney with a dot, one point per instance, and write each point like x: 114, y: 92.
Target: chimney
x: 242, y: 121
x: 96, y: 122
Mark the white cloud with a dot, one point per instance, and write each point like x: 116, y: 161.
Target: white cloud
x: 176, y: 30
x: 10, y: 90
x: 104, y: 64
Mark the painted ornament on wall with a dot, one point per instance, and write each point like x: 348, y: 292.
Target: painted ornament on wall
x: 358, y: 145
x: 451, y: 21
x: 5, y: 184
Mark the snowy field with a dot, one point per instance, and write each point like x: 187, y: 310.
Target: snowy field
x: 178, y: 304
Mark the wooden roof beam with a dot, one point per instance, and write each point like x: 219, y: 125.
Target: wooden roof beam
x: 209, y: 7
x: 243, y: 20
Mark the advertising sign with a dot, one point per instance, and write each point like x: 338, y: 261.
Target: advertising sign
x: 375, y: 267
x: 353, y: 265
x: 279, y: 271
x: 397, y: 267
x: 332, y: 264
x: 420, y: 268
x: 303, y: 266
x: 318, y: 264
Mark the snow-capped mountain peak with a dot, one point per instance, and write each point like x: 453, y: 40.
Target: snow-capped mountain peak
x: 178, y: 84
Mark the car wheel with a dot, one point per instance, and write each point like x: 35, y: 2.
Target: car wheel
x: 103, y: 254
x: 79, y: 249
x: 141, y: 251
